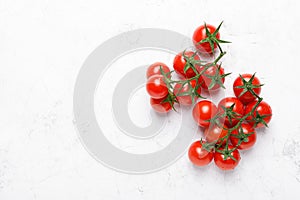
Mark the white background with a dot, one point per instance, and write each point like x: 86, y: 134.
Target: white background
x: 42, y: 47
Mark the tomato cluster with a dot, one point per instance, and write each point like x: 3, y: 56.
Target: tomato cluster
x: 228, y: 126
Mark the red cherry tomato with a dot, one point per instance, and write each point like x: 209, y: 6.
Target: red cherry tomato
x: 248, y: 140
x: 200, y: 34
x: 215, y: 134
x: 154, y: 69
x: 203, y: 111
x: 264, y: 111
x: 180, y: 62
x: 228, y: 163
x: 248, y: 96
x: 198, y: 155
x: 211, y: 71
x: 234, y: 113
x: 156, y: 87
x: 186, y: 99
x: 159, y: 106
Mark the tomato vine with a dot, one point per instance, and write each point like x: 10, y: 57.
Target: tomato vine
x: 246, y: 88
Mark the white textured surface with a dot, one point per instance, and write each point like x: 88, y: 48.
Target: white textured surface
x: 42, y: 46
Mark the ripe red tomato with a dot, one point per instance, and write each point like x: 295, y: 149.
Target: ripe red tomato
x: 264, y: 116
x: 200, y: 34
x: 215, y: 134
x: 246, y: 134
x: 246, y: 97
x: 198, y: 155
x: 234, y: 110
x: 228, y: 163
x: 210, y: 75
x: 203, y: 111
x: 156, y: 87
x: 180, y: 62
x: 186, y: 99
x: 159, y: 106
x: 154, y: 69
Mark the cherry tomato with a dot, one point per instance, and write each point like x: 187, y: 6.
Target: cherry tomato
x: 228, y: 163
x: 246, y: 134
x: 215, y: 134
x: 248, y: 96
x: 216, y: 73
x: 154, y: 69
x: 203, y: 111
x: 234, y: 109
x: 264, y: 116
x: 186, y: 99
x: 198, y: 155
x: 159, y: 106
x: 180, y: 62
x: 156, y: 87
x: 200, y: 34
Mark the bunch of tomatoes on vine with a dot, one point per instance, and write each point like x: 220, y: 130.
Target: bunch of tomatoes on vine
x: 229, y: 126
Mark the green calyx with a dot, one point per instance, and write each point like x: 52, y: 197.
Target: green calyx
x: 227, y: 153
x: 191, y: 62
x: 259, y: 119
x: 229, y: 113
x: 217, y: 78
x: 248, y: 86
x: 207, y: 146
x: 212, y: 39
x: 171, y: 99
x: 243, y: 137
x: 192, y: 91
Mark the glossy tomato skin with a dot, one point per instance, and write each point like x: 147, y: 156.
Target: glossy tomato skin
x: 159, y: 106
x: 229, y: 163
x: 185, y: 100
x: 247, y: 143
x: 180, y: 62
x: 154, y: 69
x: 263, y: 109
x: 238, y: 108
x: 247, y: 97
x: 204, y: 110
x: 156, y: 87
x: 198, y: 155
x: 200, y: 34
x: 215, y: 134
x: 211, y: 71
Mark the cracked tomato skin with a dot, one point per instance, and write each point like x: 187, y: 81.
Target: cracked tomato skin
x: 237, y: 108
x: 156, y: 87
x: 246, y: 144
x: 200, y: 34
x: 154, y: 69
x: 229, y: 163
x: 263, y: 109
x: 204, y: 110
x: 247, y: 97
x: 180, y: 62
x: 159, y: 106
x: 198, y: 155
x: 215, y: 134
x: 211, y: 71
x: 185, y: 100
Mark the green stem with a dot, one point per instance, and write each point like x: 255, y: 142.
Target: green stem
x: 200, y: 73
x: 241, y: 120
